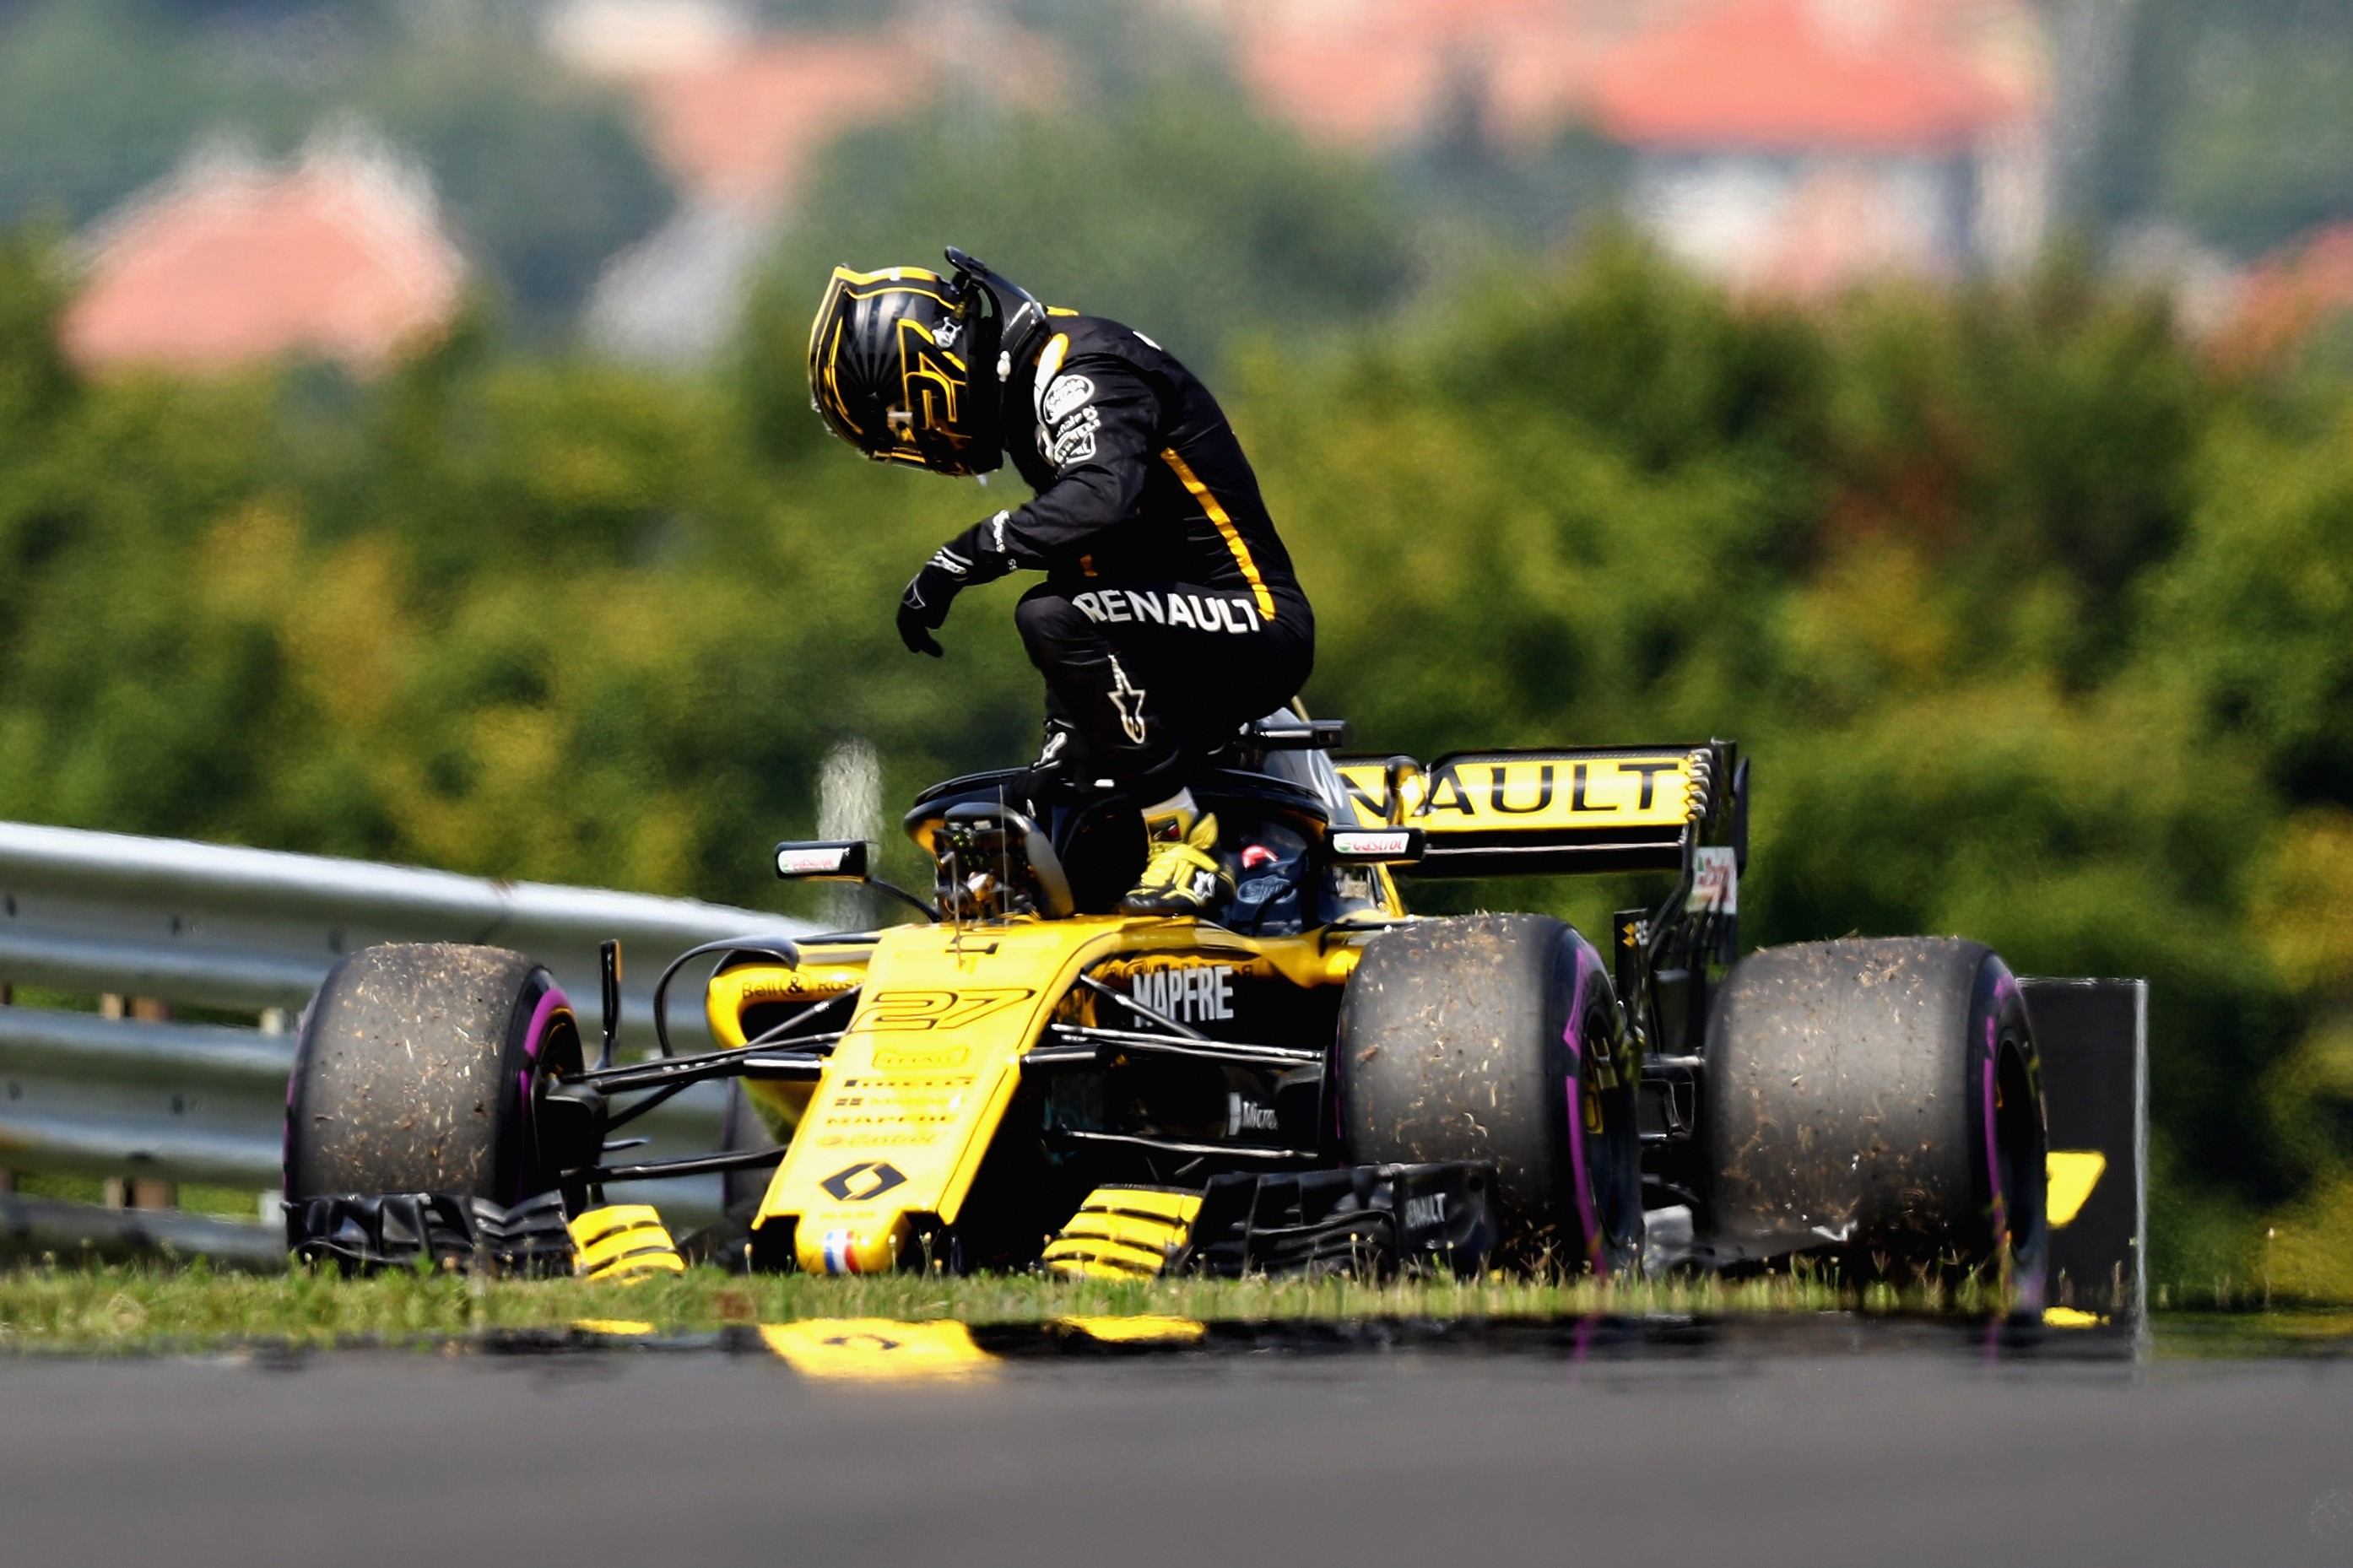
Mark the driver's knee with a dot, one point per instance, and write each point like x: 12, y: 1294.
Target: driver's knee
x: 1051, y: 627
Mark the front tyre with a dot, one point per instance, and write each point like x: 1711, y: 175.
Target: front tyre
x: 419, y: 1070
x: 1496, y: 1038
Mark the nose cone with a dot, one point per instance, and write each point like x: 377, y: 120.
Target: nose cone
x: 865, y: 1250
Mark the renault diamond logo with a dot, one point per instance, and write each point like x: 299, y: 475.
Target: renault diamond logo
x: 867, y: 1179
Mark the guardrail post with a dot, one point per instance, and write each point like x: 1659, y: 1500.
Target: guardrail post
x: 270, y: 1202
x: 137, y: 1191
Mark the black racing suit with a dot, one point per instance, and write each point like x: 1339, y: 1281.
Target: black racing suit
x: 1169, y: 615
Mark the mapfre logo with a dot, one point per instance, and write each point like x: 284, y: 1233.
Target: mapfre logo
x: 909, y: 1010
x: 1191, y: 994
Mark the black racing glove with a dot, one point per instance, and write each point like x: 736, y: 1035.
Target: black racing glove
x: 975, y: 556
x: 923, y: 607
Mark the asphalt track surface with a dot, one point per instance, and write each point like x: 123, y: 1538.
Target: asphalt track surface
x: 1820, y: 1447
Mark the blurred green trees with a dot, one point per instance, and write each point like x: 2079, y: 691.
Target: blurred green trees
x: 2245, y: 112
x: 1175, y: 206
x: 2036, y: 623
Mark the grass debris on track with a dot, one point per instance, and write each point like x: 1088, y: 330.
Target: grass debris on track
x: 139, y: 1308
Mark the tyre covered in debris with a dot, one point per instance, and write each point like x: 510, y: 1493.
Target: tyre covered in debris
x: 419, y: 1070
x: 1879, y: 1098
x: 1498, y: 1038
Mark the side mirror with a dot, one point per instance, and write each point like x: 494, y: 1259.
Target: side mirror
x: 1374, y: 845
x: 1406, y: 791
x: 839, y: 860
x: 822, y: 860
x: 1306, y: 735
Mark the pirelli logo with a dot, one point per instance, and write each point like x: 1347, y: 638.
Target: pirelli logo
x: 905, y: 1059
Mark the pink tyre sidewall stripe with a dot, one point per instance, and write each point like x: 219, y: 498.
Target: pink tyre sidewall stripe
x: 1585, y: 1213
x: 551, y: 1002
x: 2029, y: 1291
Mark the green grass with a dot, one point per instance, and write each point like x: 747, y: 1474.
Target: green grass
x: 2289, y: 1331
x: 67, y: 1189
x: 141, y: 1307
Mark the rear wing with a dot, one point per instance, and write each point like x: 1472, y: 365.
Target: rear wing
x: 1558, y: 810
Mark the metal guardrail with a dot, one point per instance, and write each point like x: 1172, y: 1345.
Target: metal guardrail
x: 253, y: 930
x: 73, y: 1233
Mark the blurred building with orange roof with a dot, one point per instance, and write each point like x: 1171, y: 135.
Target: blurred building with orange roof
x: 231, y: 261
x: 1787, y: 144
x: 739, y: 117
x: 1376, y: 74
x: 1793, y: 145
x: 2288, y: 296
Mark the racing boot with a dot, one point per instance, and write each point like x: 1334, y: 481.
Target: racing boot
x: 1184, y: 876
x: 1067, y: 773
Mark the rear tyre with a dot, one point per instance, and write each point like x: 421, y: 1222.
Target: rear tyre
x: 1496, y: 1038
x: 419, y: 1070
x: 1879, y: 1098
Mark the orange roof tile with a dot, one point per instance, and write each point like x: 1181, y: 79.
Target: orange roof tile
x: 1373, y: 71
x: 223, y: 266
x: 743, y: 128
x: 1357, y: 90
x: 2289, y: 294
x: 1789, y: 74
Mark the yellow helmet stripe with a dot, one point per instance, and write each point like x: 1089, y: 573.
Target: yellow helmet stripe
x: 833, y: 381
x: 824, y: 309
x: 825, y: 357
x: 888, y: 274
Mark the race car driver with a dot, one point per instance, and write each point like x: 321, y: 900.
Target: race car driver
x: 1169, y: 615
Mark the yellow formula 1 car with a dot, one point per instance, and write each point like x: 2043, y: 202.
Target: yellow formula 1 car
x: 1314, y: 1078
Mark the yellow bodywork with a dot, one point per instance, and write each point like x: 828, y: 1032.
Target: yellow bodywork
x: 876, y: 1348
x: 941, y: 1349
x: 891, y: 1137
x: 824, y: 973
x: 625, y: 1243
x: 1529, y: 792
x: 1139, y: 1329
x: 1124, y: 1233
x: 2072, y: 1174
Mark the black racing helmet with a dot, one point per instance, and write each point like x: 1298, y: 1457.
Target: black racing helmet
x: 903, y: 363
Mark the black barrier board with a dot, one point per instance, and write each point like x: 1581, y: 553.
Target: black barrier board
x: 2093, y: 1039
